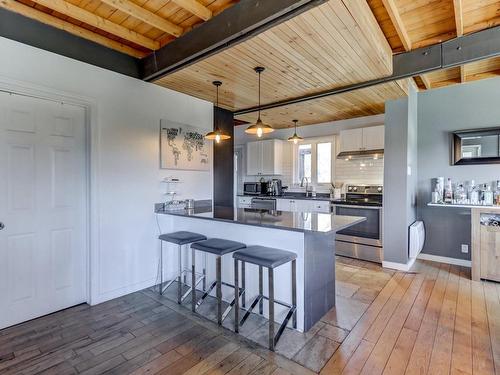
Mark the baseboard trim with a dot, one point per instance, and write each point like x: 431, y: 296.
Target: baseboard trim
x: 447, y: 260
x: 399, y: 266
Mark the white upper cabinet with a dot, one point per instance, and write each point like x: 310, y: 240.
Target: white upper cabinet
x: 351, y: 140
x: 265, y: 157
x: 371, y: 138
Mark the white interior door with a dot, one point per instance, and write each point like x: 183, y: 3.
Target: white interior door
x: 43, y: 263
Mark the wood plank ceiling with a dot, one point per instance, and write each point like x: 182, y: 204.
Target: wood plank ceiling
x: 336, y: 44
x: 134, y: 27
x: 333, y: 45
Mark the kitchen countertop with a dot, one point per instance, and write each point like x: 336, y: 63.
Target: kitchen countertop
x: 285, y: 220
x: 322, y: 198
x: 448, y: 205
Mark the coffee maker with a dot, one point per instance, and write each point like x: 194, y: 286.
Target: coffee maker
x: 275, y: 187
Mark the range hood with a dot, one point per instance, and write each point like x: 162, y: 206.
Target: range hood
x: 362, y: 154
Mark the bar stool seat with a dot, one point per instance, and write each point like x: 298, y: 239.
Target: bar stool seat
x: 218, y: 246
x: 265, y: 256
x: 182, y: 237
x: 270, y: 258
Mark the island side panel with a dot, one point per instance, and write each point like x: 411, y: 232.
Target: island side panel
x: 250, y: 235
x: 319, y: 282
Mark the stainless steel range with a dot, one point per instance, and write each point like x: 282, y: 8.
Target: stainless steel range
x: 363, y: 240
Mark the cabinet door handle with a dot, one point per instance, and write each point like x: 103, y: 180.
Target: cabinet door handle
x: 2, y: 226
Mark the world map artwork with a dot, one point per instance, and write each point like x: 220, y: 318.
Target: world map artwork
x: 183, y: 147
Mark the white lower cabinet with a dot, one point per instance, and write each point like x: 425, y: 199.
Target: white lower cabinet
x: 302, y: 205
x: 244, y: 202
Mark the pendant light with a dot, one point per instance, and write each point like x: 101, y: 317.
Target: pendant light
x: 217, y: 135
x: 259, y: 127
x: 295, y: 138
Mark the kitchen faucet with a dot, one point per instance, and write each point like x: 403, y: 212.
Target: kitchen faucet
x: 307, y: 185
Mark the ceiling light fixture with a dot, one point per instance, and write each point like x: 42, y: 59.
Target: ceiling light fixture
x: 217, y: 135
x: 259, y: 127
x: 295, y: 138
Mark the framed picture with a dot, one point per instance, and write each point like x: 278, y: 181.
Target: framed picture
x: 183, y: 147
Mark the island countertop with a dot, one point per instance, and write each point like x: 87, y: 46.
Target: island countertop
x: 285, y: 220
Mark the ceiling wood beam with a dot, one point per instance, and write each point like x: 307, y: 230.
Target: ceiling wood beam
x: 463, y: 74
x: 146, y: 16
x: 459, y: 20
x: 427, y: 82
x: 196, y: 8
x: 45, y: 18
x: 80, y: 14
x: 393, y: 11
x: 238, y: 23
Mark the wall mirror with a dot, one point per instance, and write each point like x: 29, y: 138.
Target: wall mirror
x: 479, y: 146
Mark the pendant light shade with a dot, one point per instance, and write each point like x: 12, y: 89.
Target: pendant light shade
x: 295, y: 138
x: 217, y: 135
x: 259, y: 127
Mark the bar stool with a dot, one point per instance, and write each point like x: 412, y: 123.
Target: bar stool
x: 180, y: 238
x: 218, y: 247
x: 270, y: 258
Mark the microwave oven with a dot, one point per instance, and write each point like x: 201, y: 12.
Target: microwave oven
x: 252, y: 188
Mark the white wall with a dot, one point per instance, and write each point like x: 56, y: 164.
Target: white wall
x: 124, y: 119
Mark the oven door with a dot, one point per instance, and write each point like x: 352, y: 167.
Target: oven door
x: 368, y: 232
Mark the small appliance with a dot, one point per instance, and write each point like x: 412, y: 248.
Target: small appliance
x: 253, y: 188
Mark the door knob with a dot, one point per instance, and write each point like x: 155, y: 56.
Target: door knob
x: 2, y: 225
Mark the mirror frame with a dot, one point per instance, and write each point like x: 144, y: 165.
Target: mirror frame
x: 457, y: 159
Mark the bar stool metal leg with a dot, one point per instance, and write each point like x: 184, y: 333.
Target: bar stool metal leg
x: 261, y: 292
x: 294, y: 292
x: 161, y: 267
x: 204, y: 272
x: 218, y: 271
x: 236, y: 296
x: 179, y: 284
x: 243, y: 286
x: 193, y: 280
x: 271, y: 308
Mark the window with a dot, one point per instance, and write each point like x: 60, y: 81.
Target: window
x: 324, y: 162
x: 314, y: 160
x: 305, y: 162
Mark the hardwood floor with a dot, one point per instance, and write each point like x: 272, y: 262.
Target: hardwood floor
x: 433, y: 320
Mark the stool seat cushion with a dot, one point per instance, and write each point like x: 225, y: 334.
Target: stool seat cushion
x: 182, y: 237
x: 265, y: 256
x: 218, y: 246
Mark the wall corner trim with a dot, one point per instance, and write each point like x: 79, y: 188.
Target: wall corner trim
x: 399, y: 266
x: 447, y: 260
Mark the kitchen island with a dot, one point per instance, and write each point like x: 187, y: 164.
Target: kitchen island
x: 310, y: 235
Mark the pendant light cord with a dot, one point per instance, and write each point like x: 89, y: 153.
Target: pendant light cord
x: 259, y: 94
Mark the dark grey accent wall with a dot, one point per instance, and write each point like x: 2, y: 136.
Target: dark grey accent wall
x: 224, y: 160
x: 440, y: 111
x: 400, y: 169
x: 25, y: 30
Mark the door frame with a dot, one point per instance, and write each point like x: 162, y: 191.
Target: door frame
x: 28, y: 89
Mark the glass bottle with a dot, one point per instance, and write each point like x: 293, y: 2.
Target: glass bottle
x: 488, y: 195
x: 473, y: 193
x: 448, y: 192
x: 497, y: 194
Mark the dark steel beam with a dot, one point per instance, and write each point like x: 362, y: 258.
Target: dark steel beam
x: 25, y: 30
x: 236, y: 24
x: 462, y: 50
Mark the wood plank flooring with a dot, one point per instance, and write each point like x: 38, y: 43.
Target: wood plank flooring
x: 433, y: 320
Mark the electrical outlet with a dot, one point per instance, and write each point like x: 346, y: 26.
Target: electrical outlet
x: 465, y: 248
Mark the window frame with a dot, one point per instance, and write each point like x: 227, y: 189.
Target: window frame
x: 332, y: 139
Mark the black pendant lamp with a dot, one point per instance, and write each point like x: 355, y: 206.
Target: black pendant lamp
x: 217, y: 135
x: 295, y: 138
x: 259, y: 127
